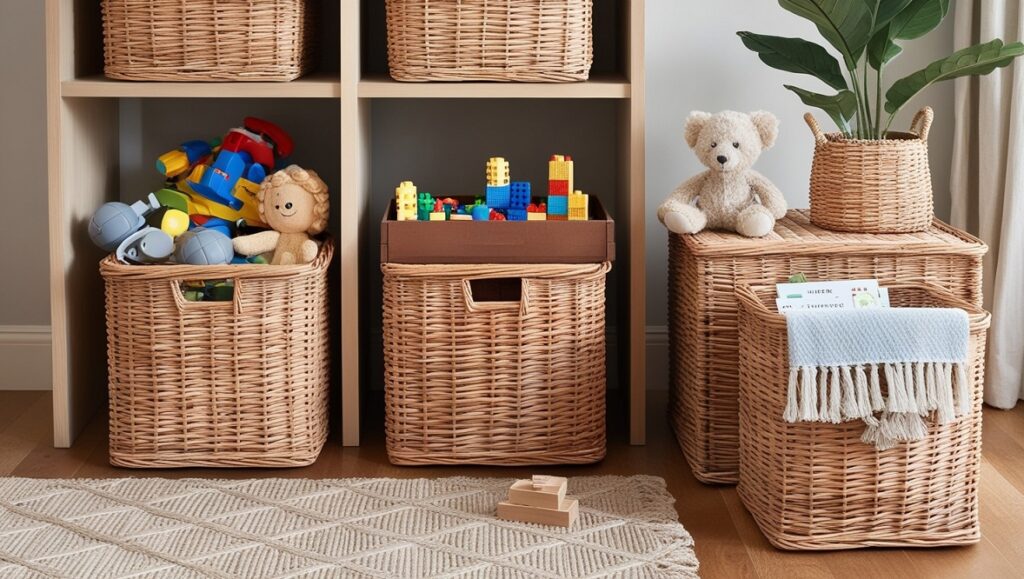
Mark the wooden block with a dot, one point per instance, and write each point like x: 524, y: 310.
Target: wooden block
x: 564, y: 516
x: 524, y: 493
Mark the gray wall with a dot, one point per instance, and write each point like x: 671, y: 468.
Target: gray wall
x: 694, y: 61
x: 24, y: 254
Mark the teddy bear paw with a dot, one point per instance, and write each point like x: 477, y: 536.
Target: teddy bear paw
x: 754, y: 221
x: 688, y: 220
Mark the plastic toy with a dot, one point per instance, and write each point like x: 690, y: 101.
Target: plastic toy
x: 424, y: 206
x: 181, y: 160
x: 215, y: 223
x: 171, y: 221
x: 579, y: 203
x: 481, y: 212
x: 536, y: 216
x: 517, y: 214
x: 147, y: 245
x: 558, y: 188
x: 460, y: 217
x: 498, y: 196
x: 405, y: 201
x: 246, y: 153
x: 519, y: 194
x: 560, y: 169
x: 295, y: 203
x: 496, y: 215
x: 202, y: 246
x: 437, y: 216
x: 113, y: 222
x: 558, y: 205
x: 497, y: 171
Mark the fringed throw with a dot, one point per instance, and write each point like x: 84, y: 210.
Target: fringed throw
x: 839, y: 361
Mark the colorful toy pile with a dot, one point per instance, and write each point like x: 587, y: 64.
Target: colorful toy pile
x: 503, y: 200
x: 213, y: 191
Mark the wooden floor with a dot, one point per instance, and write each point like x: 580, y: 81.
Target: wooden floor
x: 728, y: 543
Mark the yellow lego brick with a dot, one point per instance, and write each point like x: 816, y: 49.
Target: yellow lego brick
x: 579, y: 204
x: 405, y: 201
x: 497, y: 171
x: 536, y: 216
x: 560, y: 168
x: 437, y: 216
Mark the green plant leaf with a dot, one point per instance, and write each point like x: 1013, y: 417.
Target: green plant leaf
x: 883, y: 11
x: 918, y: 18
x: 882, y: 49
x: 975, y: 60
x: 840, y: 107
x: 845, y: 24
x: 796, y: 55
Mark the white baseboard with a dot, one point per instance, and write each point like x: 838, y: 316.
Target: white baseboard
x: 25, y: 362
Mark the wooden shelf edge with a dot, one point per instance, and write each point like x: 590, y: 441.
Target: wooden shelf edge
x: 98, y: 86
x: 605, y: 87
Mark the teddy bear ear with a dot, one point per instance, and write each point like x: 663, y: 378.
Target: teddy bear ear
x: 694, y: 124
x: 767, y: 126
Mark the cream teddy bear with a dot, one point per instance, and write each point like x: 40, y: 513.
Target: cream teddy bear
x: 729, y: 195
x: 294, y: 203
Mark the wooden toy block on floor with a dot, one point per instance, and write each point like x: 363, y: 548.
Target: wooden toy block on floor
x: 540, y: 500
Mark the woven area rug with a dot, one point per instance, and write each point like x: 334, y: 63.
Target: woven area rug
x: 332, y: 528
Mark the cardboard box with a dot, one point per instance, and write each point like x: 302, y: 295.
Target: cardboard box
x: 590, y: 241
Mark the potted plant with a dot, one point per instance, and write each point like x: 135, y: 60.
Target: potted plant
x: 865, y: 177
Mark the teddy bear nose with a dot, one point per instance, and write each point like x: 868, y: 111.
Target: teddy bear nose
x: 723, y: 159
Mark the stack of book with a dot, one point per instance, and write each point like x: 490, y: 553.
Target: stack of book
x: 540, y: 500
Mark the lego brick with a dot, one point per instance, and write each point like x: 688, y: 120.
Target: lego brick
x: 437, y: 216
x: 534, y: 216
x: 405, y: 201
x: 554, y: 217
x: 524, y: 492
x: 560, y: 168
x: 558, y: 205
x: 497, y: 171
x: 560, y: 188
x: 461, y: 217
x: 578, y: 204
x: 498, y: 196
x: 519, y: 194
x: 564, y: 516
x: 517, y: 214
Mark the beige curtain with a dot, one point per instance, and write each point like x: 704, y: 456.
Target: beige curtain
x: 987, y: 184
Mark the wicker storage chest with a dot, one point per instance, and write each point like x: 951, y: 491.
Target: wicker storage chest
x: 208, y: 40
x: 490, y: 40
x: 494, y: 364
x: 239, y: 383
x: 817, y: 486
x: 704, y: 343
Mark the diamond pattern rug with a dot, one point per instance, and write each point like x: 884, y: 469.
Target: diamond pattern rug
x: 332, y: 528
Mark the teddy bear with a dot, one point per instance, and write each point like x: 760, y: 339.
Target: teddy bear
x: 729, y: 195
x: 294, y: 203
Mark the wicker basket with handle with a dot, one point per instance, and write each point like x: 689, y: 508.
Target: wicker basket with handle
x: 872, y: 186
x: 241, y: 383
x: 817, y: 486
x: 494, y: 364
x: 495, y: 40
x: 704, y: 270
x: 208, y: 40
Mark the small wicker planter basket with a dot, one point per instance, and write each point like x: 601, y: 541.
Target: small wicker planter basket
x: 872, y: 186
x: 497, y: 40
x: 817, y: 486
x: 208, y: 40
x: 519, y: 381
x: 243, y: 383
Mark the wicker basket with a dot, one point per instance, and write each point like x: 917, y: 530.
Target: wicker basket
x: 872, y: 186
x: 817, y: 486
x: 240, y: 384
x: 703, y: 338
x: 517, y: 381
x: 498, y: 40
x: 208, y: 40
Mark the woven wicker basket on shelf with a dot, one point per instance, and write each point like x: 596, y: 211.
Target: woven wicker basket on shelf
x: 496, y: 40
x: 872, y: 186
x: 208, y: 40
x: 817, y: 486
x: 703, y: 337
x: 494, y: 364
x: 241, y: 383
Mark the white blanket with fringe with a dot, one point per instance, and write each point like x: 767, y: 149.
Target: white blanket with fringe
x: 837, y: 359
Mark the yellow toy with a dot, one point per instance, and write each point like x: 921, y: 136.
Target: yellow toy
x: 497, y: 172
x: 437, y: 216
x: 579, y: 203
x: 560, y: 168
x: 245, y: 190
x: 534, y: 216
x: 405, y: 201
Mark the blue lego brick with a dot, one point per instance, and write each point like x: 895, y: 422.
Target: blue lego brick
x: 515, y: 214
x: 558, y: 205
x: 498, y: 196
x: 519, y: 196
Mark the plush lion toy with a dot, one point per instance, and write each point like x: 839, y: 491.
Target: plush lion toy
x: 295, y: 204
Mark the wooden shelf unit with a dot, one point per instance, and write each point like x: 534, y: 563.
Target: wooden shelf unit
x: 84, y: 155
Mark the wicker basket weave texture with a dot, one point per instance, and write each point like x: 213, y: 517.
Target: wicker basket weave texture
x: 703, y: 336
x: 490, y: 40
x: 817, y: 486
x: 240, y: 384
x: 872, y: 186
x: 502, y: 383
x: 208, y: 40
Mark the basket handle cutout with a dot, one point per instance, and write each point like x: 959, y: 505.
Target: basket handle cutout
x: 178, y: 289
x: 496, y: 294
x: 819, y: 136
x: 922, y: 122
